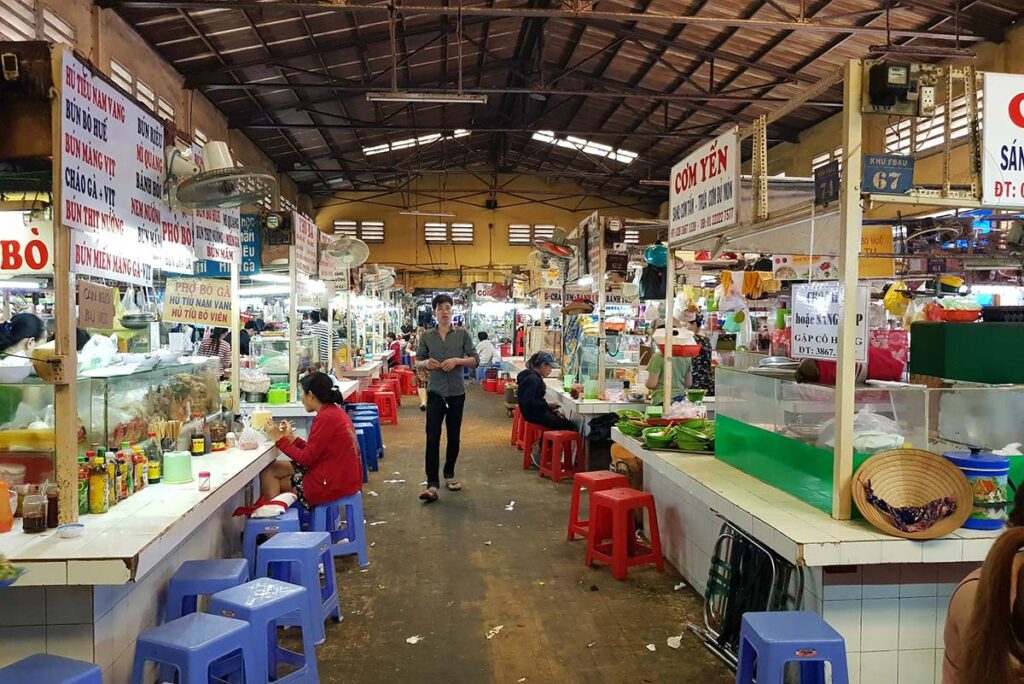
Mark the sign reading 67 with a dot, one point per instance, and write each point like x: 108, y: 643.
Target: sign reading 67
x: 888, y: 174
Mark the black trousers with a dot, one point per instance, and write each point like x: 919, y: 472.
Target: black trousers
x: 553, y: 421
x: 446, y: 410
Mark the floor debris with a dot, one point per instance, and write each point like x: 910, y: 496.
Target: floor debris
x: 681, y: 585
x: 494, y: 631
x: 414, y: 639
x: 674, y: 641
x: 511, y: 506
x: 652, y: 648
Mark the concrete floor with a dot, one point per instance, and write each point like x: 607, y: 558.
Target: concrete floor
x: 451, y: 571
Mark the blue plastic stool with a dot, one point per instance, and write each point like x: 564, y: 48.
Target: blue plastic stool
x: 197, y: 578
x: 364, y: 450
x: 360, y: 406
x: 371, y: 452
x: 296, y: 557
x: 263, y: 603
x: 193, y: 644
x: 254, y: 527
x: 774, y: 639
x: 366, y: 417
x: 343, y: 520
x: 51, y: 669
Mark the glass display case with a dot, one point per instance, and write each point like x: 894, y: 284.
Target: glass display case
x: 271, y: 355
x: 782, y: 431
x: 622, y: 357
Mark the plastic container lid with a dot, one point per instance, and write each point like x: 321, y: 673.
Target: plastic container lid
x: 204, y: 473
x: 977, y: 460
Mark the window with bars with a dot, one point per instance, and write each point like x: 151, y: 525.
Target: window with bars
x: 164, y: 109
x: 367, y: 231
x: 122, y: 76
x: 56, y: 29
x: 914, y: 136
x: 523, y: 234
x: 448, y: 234
x: 145, y: 95
x: 25, y: 20
x: 826, y: 157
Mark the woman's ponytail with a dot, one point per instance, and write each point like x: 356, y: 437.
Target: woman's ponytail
x: 994, y: 649
x: 322, y: 387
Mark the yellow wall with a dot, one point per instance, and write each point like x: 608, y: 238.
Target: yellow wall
x: 521, y: 202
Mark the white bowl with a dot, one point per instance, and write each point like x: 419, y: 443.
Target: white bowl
x: 71, y: 530
x: 10, y: 374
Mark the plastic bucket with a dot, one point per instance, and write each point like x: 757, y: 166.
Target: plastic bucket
x: 987, y: 474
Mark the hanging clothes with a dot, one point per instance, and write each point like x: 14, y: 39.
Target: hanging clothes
x: 652, y: 283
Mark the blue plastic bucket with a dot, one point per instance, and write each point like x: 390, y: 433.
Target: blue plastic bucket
x: 987, y: 474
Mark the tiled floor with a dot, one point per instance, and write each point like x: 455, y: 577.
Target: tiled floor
x: 454, y: 570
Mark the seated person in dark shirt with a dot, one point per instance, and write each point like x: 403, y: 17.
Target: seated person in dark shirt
x: 530, y: 389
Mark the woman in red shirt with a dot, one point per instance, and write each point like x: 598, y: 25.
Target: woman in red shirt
x: 325, y: 467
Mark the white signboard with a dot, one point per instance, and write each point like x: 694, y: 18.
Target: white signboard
x: 1002, y: 158
x: 817, y: 314
x: 99, y: 255
x: 326, y: 266
x: 704, y: 189
x: 218, y: 235
x: 305, y: 244
x: 25, y: 247
x: 112, y: 156
x: 177, y: 254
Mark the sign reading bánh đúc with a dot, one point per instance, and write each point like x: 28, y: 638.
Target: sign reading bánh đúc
x: 704, y: 189
x: 817, y: 315
x: 198, y: 301
x: 1002, y: 156
x: 112, y: 157
x: 218, y: 235
x: 95, y: 306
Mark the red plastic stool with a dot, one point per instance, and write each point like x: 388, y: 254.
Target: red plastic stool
x: 561, y: 453
x: 387, y: 407
x: 488, y: 385
x: 394, y: 386
x: 623, y: 551
x: 517, y: 428
x: 531, y: 433
x: 406, y: 381
x: 595, y: 481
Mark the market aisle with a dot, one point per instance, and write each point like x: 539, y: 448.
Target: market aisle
x: 453, y: 570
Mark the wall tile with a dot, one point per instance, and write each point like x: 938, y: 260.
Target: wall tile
x: 22, y: 606
x: 18, y: 642
x: 880, y: 626
x: 69, y: 605
x: 857, y: 553
x: 901, y: 551
x: 881, y: 581
x: 941, y: 610
x: 916, y: 667
x: 70, y: 641
x: 878, y: 667
x: 845, y: 617
x: 917, y: 623
x: 842, y: 584
x: 942, y: 551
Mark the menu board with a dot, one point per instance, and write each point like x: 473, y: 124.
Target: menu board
x: 250, y: 245
x: 327, y: 269
x: 112, y: 156
x: 305, y: 244
x: 177, y: 255
x: 218, y: 235
x: 100, y: 255
x: 704, y: 189
x: 197, y: 301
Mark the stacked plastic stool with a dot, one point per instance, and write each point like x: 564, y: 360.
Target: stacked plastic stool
x: 343, y: 520
x: 370, y: 452
x: 595, y: 481
x: 296, y: 557
x: 387, y: 407
x: 372, y: 423
x: 197, y: 578
x: 50, y: 669
x: 265, y: 527
x: 193, y: 644
x: 561, y: 453
x: 623, y: 551
x: 768, y: 641
x: 264, y: 604
x: 364, y: 449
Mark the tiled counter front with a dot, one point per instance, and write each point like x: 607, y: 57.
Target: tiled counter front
x: 886, y: 596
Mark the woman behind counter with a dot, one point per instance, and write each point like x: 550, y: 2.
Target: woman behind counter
x: 681, y: 367
x: 325, y: 467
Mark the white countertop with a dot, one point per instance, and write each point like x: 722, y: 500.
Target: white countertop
x: 127, y: 542
x: 589, y: 407
x: 796, y: 530
x: 363, y: 371
x: 295, y: 408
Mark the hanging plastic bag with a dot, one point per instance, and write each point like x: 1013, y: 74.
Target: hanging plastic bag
x: 871, y: 433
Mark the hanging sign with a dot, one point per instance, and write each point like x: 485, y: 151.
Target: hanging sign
x: 826, y: 183
x: 218, y: 235
x: 493, y: 291
x: 704, y: 189
x: 1002, y: 141
x: 100, y: 255
x: 198, y: 301
x: 177, y: 255
x: 817, y: 314
x: 25, y: 248
x: 250, y: 245
x: 112, y: 157
x: 804, y: 267
x: 95, y: 306
x: 211, y: 269
x: 888, y: 174
x: 326, y: 266
x: 876, y: 240
x: 309, y: 294
x: 305, y: 244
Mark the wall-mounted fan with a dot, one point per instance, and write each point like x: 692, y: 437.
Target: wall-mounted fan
x: 347, y: 252
x: 559, y: 246
x: 539, y: 261
x: 378, y: 278
x: 217, y: 183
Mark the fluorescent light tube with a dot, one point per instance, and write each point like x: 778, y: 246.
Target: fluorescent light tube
x: 432, y: 98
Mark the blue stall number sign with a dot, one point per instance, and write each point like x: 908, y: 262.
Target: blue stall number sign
x: 826, y: 183
x: 888, y: 174
x: 250, y: 244
x: 212, y: 269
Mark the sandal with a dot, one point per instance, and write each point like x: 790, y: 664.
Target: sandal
x: 429, y: 495
x: 453, y: 485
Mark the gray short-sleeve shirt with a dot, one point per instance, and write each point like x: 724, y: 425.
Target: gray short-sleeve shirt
x: 456, y: 345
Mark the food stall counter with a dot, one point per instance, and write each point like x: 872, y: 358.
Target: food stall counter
x: 366, y: 370
x: 295, y: 411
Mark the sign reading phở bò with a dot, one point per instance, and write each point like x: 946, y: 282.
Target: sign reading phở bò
x: 112, y: 158
x: 704, y: 189
x: 198, y: 301
x: 177, y: 254
x: 26, y: 244
x: 1002, y: 165
x: 218, y: 235
x: 817, y: 315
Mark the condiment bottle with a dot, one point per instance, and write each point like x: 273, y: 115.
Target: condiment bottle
x: 6, y: 514
x: 99, y: 487
x: 139, y: 466
x: 204, y: 481
x: 198, y: 439
x: 51, y: 506
x: 111, y: 464
x: 124, y: 465
x: 83, y: 482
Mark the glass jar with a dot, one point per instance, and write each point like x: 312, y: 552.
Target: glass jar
x: 33, y: 513
x: 51, y: 506
x: 204, y: 481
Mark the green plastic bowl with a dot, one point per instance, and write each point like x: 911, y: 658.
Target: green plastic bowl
x: 657, y: 442
x: 627, y: 428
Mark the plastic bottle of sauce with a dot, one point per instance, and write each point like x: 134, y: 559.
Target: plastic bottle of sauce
x: 129, y: 469
x: 6, y: 514
x: 198, y: 437
x: 111, y: 465
x: 99, y: 487
x: 83, y: 482
x: 139, y: 467
x: 51, y: 506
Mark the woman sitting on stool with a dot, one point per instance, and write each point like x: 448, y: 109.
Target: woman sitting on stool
x: 530, y: 389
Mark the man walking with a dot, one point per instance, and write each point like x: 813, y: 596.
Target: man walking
x: 444, y: 351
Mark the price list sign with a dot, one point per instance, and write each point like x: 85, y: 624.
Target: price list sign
x: 704, y: 189
x: 218, y: 235
x: 111, y: 162
x: 817, y: 315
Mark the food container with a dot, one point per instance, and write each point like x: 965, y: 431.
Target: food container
x: 254, y: 397
x: 591, y: 388
x: 33, y: 513
x: 988, y: 475
x: 657, y: 437
x: 960, y: 315
x: 277, y: 396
